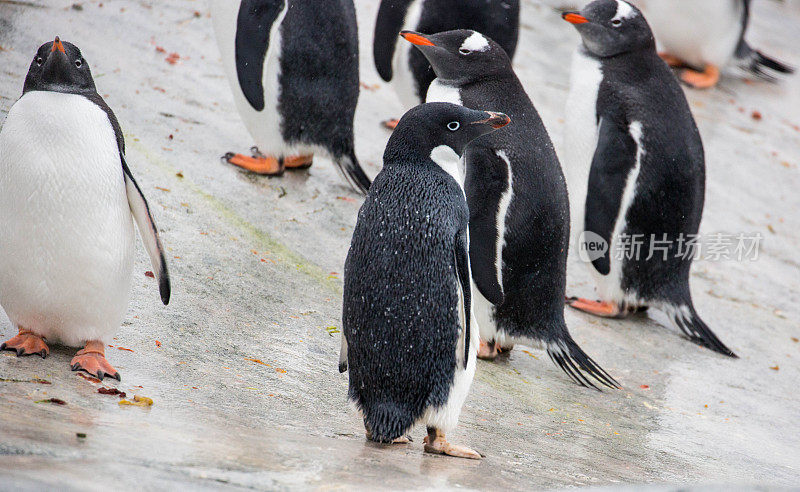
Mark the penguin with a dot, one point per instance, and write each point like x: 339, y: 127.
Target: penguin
x: 293, y: 70
x: 408, y: 342
x: 703, y: 37
x: 67, y: 200
x: 518, y: 202
x: 409, y: 71
x: 635, y: 169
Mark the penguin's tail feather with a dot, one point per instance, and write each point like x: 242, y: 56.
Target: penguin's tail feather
x: 567, y: 355
x: 386, y: 421
x: 685, y: 318
x: 351, y: 170
x: 756, y: 62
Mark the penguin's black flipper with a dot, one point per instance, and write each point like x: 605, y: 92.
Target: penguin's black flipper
x: 148, y: 231
x: 461, y: 248
x: 613, y: 160
x: 253, y: 27
x: 391, y: 15
x: 343, y: 355
x: 581, y: 368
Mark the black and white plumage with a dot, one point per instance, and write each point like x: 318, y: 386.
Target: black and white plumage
x: 409, y: 71
x: 408, y: 342
x: 67, y: 200
x: 519, y: 210
x: 635, y: 167
x: 708, y: 32
x: 293, y: 69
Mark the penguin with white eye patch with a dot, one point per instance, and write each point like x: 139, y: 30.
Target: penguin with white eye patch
x: 67, y: 200
x: 408, y: 71
x: 636, y: 170
x: 407, y: 341
x: 518, y: 203
x: 701, y: 37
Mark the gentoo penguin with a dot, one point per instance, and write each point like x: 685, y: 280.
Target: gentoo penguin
x: 635, y: 170
x: 293, y: 69
x: 704, y: 36
x: 66, y: 201
x: 409, y: 71
x: 518, y: 202
x: 408, y: 341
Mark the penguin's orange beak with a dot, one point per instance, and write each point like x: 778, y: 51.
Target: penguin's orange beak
x: 416, y: 38
x: 57, y: 46
x: 574, y: 18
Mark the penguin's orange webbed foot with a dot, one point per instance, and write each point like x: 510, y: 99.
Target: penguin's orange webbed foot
x: 390, y: 124
x: 487, y: 350
x: 298, y: 161
x: 27, y: 343
x: 597, y: 308
x: 701, y: 80
x: 92, y: 359
x: 672, y: 60
x: 435, y: 443
x: 258, y: 163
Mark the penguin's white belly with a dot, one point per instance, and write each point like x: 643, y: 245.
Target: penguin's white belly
x: 439, y: 91
x: 265, y: 125
x: 66, y: 233
x: 698, y: 32
x: 403, y: 81
x: 581, y: 136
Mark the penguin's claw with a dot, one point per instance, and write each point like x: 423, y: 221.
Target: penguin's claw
x: 435, y: 443
x: 268, y: 166
x: 27, y: 343
x: 390, y: 124
x: 92, y: 360
x: 701, y: 80
x: 597, y: 308
x: 298, y: 161
x: 487, y: 350
x: 403, y: 440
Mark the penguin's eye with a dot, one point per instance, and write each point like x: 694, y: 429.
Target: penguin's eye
x: 453, y: 126
x: 39, y: 60
x: 464, y: 51
x: 78, y: 63
x: 616, y: 22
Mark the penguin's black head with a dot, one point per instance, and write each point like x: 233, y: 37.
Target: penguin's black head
x: 58, y: 66
x: 461, y: 55
x: 611, y: 27
x: 442, y: 127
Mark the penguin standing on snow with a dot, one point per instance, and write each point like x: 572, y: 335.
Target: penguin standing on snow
x: 518, y: 202
x: 293, y: 70
x: 66, y: 201
x: 408, y: 341
x: 409, y: 71
x: 704, y: 36
x: 635, y: 168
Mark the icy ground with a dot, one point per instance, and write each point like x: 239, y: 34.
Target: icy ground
x: 245, y: 381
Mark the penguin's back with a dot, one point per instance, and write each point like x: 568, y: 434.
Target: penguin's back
x: 68, y: 233
x: 319, y: 77
x: 400, y: 314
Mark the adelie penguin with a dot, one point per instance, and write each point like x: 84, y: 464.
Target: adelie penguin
x: 702, y: 37
x: 636, y: 171
x: 406, y: 68
x: 408, y: 342
x: 518, y: 202
x: 67, y: 200
x: 293, y: 69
